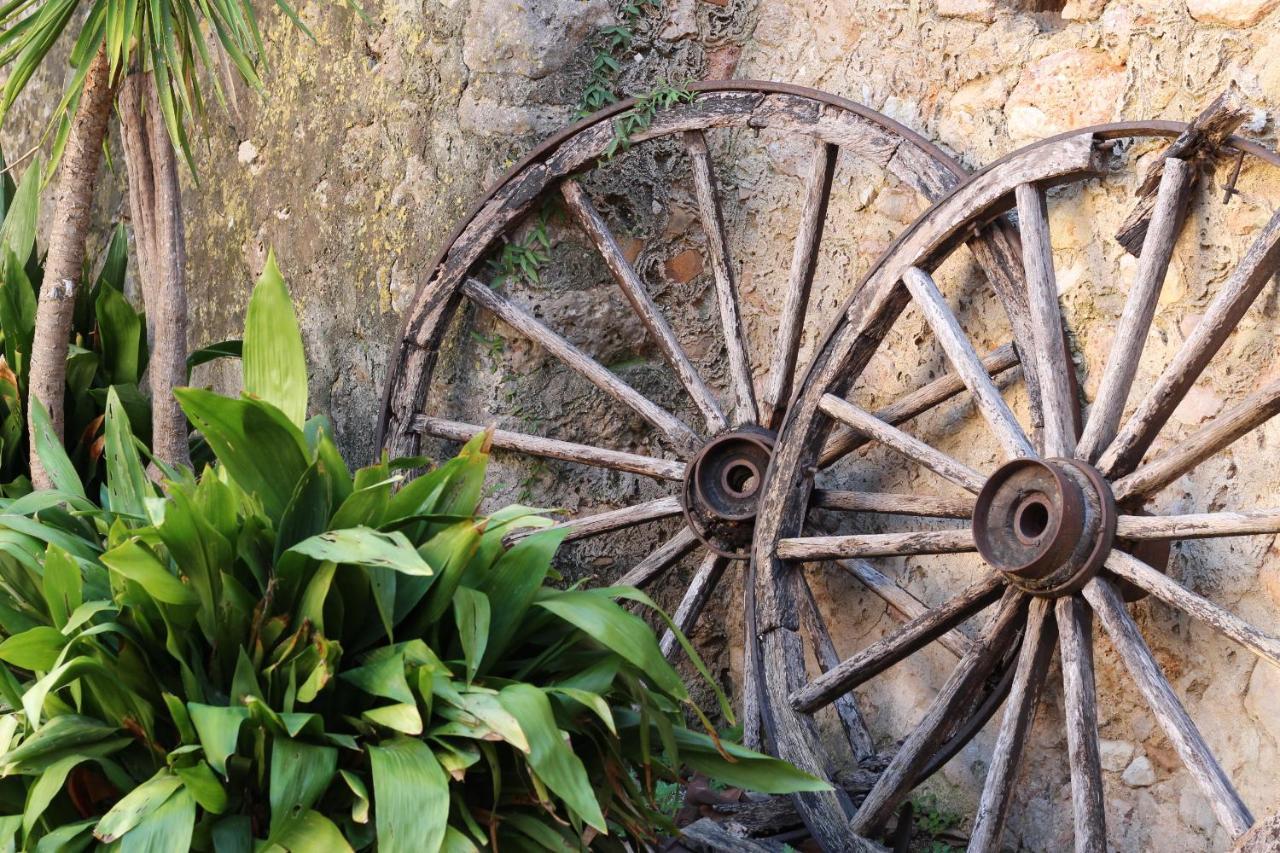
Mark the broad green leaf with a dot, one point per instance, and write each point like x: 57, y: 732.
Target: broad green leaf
x: 116, y: 262
x: 471, y: 613
x: 127, y: 483
x: 312, y: 832
x: 360, y: 796
x: 410, y: 796
x: 36, y: 649
x: 403, y: 718
x: 300, y: 774
x: 383, y: 677
x: 550, y: 757
x: 363, y: 546
x: 17, y: 316
x: 309, y: 508
x: 59, y: 735
x: 204, y: 786
x: 67, y: 838
x: 218, y: 727
x: 512, y: 584
x: 486, y: 709
x: 543, y: 836
x: 63, y: 585
x: 123, y: 336
x: 47, y: 786
x: 591, y: 701
x: 18, y: 233
x: 132, y: 561
x: 52, y: 455
x: 164, y: 829
x: 275, y: 367
x: 212, y: 352
x: 136, y: 805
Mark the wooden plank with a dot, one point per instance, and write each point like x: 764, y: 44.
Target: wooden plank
x: 1202, y: 525
x: 660, y: 560
x: 845, y: 440
x: 1176, y: 595
x: 704, y: 184
x: 1054, y: 366
x: 1225, y: 428
x: 824, y: 650
x: 890, y: 503
x: 1139, y: 309
x: 1220, y: 318
x: 964, y: 360
x: 795, y: 302
x: 1075, y: 644
x: 593, y: 371
x: 695, y: 598
x: 1019, y: 713
x: 906, y: 605
x: 1199, y: 760
x: 897, y: 645
x: 958, y: 693
x: 909, y: 446
x: 812, y: 548
x: 550, y: 448
x: 642, y: 303
x: 608, y: 521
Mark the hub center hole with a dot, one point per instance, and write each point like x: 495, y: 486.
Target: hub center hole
x: 741, y: 479
x: 1031, y: 520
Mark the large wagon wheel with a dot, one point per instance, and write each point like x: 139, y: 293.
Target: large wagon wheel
x: 1066, y: 522
x: 707, y: 450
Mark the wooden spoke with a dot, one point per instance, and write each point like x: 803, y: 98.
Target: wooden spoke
x: 590, y: 369
x: 846, y: 440
x: 704, y: 184
x: 804, y: 261
x: 1204, y: 525
x: 811, y: 548
x: 966, y: 363
x: 642, y: 303
x: 855, y: 728
x: 550, y: 448
x: 1175, y: 594
x: 695, y: 599
x: 1173, y: 718
x: 1054, y: 367
x: 608, y: 521
x: 1253, y: 411
x: 1139, y: 308
x: 896, y: 646
x: 893, y: 504
x: 1075, y: 644
x: 752, y: 688
x: 1019, y: 712
x: 909, y: 446
x: 1222, y: 315
x: 906, y: 605
x: 660, y: 560
x: 956, y: 695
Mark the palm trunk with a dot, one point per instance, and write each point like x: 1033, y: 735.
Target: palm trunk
x: 64, y: 264
x: 155, y: 205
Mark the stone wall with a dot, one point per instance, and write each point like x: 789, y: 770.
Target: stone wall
x: 374, y: 138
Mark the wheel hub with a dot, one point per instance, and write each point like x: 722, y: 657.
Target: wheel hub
x: 722, y: 487
x: 1047, y: 524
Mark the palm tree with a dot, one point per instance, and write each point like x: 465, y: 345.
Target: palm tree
x: 148, y: 60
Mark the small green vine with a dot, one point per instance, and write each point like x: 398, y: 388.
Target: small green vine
x: 606, y: 65
x: 639, y: 117
x: 522, y: 260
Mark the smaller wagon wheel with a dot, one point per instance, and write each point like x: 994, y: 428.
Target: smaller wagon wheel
x: 1067, y: 527
x: 699, y: 449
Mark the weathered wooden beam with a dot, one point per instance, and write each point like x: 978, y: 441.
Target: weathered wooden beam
x: 810, y: 548
x: 1080, y: 706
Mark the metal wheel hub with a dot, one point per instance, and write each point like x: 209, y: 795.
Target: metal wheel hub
x: 722, y: 487
x: 1047, y: 524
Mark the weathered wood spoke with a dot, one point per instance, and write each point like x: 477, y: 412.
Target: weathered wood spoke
x: 586, y: 366
x: 608, y: 521
x: 897, y: 645
x: 1202, y: 525
x: 906, y: 605
x: 893, y: 504
x: 1253, y: 411
x: 1075, y: 644
x: 810, y: 548
x: 1222, y: 315
x: 667, y: 554
x: 695, y: 599
x: 1019, y: 712
x: 909, y: 446
x: 704, y: 184
x: 845, y: 440
x: 966, y: 363
x: 1139, y: 308
x: 955, y: 696
x: 1175, y: 594
x: 550, y: 448
x: 795, y: 303
x: 1173, y: 718
x: 1053, y: 363
x: 642, y: 303
x: 824, y: 650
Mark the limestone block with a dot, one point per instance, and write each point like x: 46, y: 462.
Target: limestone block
x: 1231, y: 13
x: 532, y: 38
x: 1065, y: 90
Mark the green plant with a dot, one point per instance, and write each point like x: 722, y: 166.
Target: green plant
x: 281, y: 655
x: 640, y: 116
x: 606, y: 62
x: 522, y: 259
x: 933, y: 820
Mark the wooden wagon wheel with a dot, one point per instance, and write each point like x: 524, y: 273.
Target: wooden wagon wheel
x: 1059, y: 528
x: 714, y: 455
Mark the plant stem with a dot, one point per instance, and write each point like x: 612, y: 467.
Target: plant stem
x: 77, y: 179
